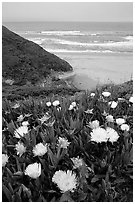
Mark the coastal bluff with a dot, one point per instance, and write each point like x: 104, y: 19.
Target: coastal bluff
x: 24, y: 61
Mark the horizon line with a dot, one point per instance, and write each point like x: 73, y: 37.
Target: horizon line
x: 67, y: 21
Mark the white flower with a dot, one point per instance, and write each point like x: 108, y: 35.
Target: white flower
x: 120, y: 121
x: 124, y: 127
x: 112, y: 135
x: 63, y: 143
x: 48, y: 103
x: 92, y: 94
x: 44, y: 118
x: 33, y: 170
x: 121, y: 99
x: 17, y: 105
x: 109, y: 118
x: 106, y: 94
x: 20, y: 148
x: 56, y: 103
x: 20, y: 118
x: 71, y: 107
x: 66, y: 181
x: 114, y: 104
x: 4, y: 159
x: 131, y: 99
x: 99, y: 135
x: 77, y: 162
x: 25, y: 123
x: 21, y: 131
x: 89, y: 111
x: 73, y: 104
x: 94, y: 124
x: 40, y: 149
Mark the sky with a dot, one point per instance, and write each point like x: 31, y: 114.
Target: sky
x: 67, y: 11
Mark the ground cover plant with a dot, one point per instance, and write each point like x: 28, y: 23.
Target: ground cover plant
x: 75, y: 149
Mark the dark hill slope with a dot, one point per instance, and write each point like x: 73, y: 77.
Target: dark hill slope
x: 23, y: 60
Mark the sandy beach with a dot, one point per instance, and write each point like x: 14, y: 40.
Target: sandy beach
x: 92, y: 69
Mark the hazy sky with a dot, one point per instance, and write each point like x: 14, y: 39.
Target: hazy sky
x: 67, y: 11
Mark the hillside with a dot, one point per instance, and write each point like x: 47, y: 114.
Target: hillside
x: 24, y: 61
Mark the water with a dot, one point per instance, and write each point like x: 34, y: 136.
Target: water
x: 102, y: 51
x: 78, y: 37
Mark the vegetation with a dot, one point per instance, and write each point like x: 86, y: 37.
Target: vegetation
x: 85, y: 139
x: 24, y: 61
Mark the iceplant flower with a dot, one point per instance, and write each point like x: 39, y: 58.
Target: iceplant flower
x: 20, y: 118
x: 131, y: 99
x: 25, y: 123
x: 71, y: 107
x: 114, y: 104
x: 48, y: 104
x: 56, y: 103
x: 20, y: 148
x: 17, y: 105
x: 63, y: 143
x: 21, y: 131
x: 65, y: 180
x: 4, y: 159
x: 94, y: 124
x: 106, y: 94
x: 40, y: 149
x: 121, y: 99
x: 45, y: 118
x: 77, y: 162
x: 92, y: 94
x: 73, y: 104
x: 89, y: 111
x: 109, y: 118
x: 120, y: 121
x: 124, y: 127
x: 112, y: 135
x: 33, y: 170
x: 99, y: 135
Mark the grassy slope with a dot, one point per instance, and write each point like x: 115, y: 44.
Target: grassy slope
x: 23, y: 60
x: 61, y: 88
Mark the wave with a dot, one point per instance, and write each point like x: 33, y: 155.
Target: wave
x: 61, y: 33
x: 112, y: 44
x: 121, y: 46
x: 57, y: 33
x: 129, y: 38
x: 78, y: 51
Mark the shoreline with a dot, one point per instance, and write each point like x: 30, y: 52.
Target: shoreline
x: 81, y: 82
x: 92, y: 70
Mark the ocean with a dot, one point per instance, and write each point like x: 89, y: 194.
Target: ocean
x: 100, y: 52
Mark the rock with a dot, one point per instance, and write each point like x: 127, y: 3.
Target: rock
x: 23, y: 60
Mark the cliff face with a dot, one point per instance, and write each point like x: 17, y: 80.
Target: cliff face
x: 23, y: 60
